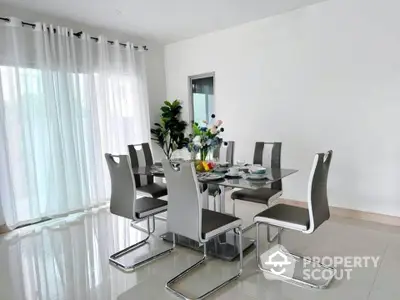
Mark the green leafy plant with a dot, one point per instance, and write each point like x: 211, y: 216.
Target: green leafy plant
x: 169, y: 134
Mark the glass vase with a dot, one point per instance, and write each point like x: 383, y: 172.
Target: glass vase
x: 203, y: 153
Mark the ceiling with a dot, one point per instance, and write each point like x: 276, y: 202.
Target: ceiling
x: 165, y: 21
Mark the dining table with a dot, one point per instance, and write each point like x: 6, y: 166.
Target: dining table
x: 226, y: 245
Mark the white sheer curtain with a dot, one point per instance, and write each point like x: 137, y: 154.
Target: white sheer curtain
x: 64, y: 102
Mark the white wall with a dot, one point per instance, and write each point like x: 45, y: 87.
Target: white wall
x: 323, y: 77
x: 155, y: 66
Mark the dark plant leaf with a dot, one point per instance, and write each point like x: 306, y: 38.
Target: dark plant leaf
x: 169, y: 134
x: 165, y: 109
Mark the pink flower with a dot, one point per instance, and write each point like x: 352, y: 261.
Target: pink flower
x: 213, y: 129
x: 218, y: 123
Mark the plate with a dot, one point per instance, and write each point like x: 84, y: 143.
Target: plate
x: 256, y: 177
x: 210, y: 177
x: 221, y: 169
x: 223, y: 164
x: 239, y: 175
x: 242, y: 167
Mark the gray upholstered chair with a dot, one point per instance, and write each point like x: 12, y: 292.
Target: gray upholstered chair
x: 267, y: 155
x: 302, y: 219
x: 224, y: 153
x: 124, y: 204
x: 187, y: 218
x: 141, y: 156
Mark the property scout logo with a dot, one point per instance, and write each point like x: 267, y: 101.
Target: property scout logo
x: 282, y: 264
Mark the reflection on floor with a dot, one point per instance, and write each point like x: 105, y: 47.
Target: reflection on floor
x: 68, y: 259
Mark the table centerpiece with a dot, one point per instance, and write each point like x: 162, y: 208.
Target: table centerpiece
x: 204, y: 139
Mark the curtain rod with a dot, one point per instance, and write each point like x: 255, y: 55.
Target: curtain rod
x: 77, y: 34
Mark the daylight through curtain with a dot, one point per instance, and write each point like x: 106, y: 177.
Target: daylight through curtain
x: 64, y: 102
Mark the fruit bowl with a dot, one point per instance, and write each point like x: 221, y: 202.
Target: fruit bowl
x: 204, y: 166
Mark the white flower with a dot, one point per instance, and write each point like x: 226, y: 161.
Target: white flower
x: 197, y: 141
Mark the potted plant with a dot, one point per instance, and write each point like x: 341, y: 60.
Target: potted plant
x: 169, y: 134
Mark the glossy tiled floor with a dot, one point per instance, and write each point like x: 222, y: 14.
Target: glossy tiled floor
x: 68, y: 259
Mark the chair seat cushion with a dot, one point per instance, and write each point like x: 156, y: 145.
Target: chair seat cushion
x: 285, y: 216
x: 155, y: 190
x: 262, y: 195
x: 214, y: 223
x: 146, y: 206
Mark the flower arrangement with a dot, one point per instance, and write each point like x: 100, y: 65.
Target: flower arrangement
x: 205, y: 137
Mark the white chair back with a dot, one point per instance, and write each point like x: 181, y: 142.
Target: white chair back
x: 184, y: 200
x: 141, y: 156
x: 268, y: 154
x: 318, y: 206
x: 225, y: 152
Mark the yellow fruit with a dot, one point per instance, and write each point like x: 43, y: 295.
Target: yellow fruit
x: 199, y: 168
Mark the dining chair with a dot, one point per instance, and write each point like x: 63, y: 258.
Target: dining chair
x: 141, y: 156
x: 224, y: 153
x: 267, y: 154
x: 125, y: 204
x: 187, y: 218
x: 305, y: 220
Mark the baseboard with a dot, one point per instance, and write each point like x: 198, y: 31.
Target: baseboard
x: 353, y: 214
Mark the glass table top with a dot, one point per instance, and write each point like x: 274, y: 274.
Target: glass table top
x: 273, y: 175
